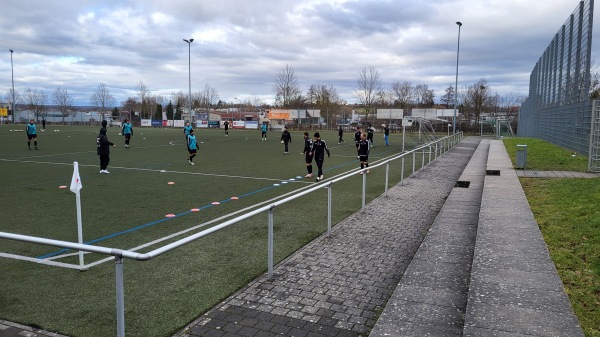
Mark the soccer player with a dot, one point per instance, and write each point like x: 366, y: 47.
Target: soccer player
x: 318, y: 149
x: 31, y: 134
x: 226, y: 125
x: 186, y: 130
x: 341, y: 135
x: 370, y: 131
x: 192, y: 146
x: 357, y: 139
x: 386, y: 134
x: 363, y: 152
x: 103, y: 149
x: 127, y: 132
x: 43, y: 124
x: 286, y: 137
x: 307, y: 154
x: 264, y: 128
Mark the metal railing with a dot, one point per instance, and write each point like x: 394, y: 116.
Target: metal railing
x: 434, y: 149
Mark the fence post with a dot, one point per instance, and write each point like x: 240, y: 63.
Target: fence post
x: 364, y: 190
x: 329, y: 208
x: 270, y: 248
x: 414, y: 160
x: 423, y: 158
x: 387, y: 176
x: 120, y: 296
x: 402, y: 172
x: 436, y: 151
x: 429, y: 162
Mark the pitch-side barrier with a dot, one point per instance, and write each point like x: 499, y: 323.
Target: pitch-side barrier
x: 428, y: 153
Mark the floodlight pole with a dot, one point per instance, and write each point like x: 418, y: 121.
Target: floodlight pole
x: 189, y: 42
x: 12, y: 74
x: 456, y: 83
x: 239, y: 108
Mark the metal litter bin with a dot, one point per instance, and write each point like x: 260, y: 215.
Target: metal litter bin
x: 522, y: 156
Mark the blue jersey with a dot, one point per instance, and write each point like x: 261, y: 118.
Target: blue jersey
x: 31, y: 130
x: 264, y: 128
x: 127, y: 128
x: 191, y: 141
x: 187, y: 129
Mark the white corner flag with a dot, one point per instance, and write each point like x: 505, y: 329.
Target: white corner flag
x: 76, y: 180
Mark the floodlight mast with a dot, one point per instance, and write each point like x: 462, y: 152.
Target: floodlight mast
x: 12, y: 74
x: 456, y: 82
x: 189, y: 42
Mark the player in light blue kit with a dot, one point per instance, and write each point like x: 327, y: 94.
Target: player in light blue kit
x: 31, y: 134
x: 127, y: 132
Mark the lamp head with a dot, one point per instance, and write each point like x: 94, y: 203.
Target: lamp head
x: 11, y: 51
x: 459, y: 23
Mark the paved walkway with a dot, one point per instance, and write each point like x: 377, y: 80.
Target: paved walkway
x: 424, y: 229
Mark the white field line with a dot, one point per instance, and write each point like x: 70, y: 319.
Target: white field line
x: 156, y: 170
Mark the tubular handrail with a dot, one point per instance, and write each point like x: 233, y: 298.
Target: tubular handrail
x: 119, y: 254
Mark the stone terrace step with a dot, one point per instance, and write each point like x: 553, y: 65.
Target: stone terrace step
x: 431, y: 298
x: 515, y: 289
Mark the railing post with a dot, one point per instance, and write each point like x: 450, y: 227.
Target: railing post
x: 364, y: 190
x: 270, y: 248
x: 414, y: 160
x: 329, y: 209
x: 387, y: 176
x: 423, y: 158
x: 436, y: 151
x: 429, y: 162
x: 120, y: 296
x: 402, y: 173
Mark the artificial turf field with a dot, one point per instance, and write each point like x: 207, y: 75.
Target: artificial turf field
x: 127, y: 209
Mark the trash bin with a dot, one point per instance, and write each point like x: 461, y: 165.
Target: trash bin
x: 522, y: 156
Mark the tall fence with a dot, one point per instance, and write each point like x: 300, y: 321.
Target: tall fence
x: 559, y: 108
x: 425, y: 154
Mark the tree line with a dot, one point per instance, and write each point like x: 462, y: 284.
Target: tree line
x: 370, y: 93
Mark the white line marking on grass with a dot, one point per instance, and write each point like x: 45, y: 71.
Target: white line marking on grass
x: 46, y: 262
x: 147, y: 170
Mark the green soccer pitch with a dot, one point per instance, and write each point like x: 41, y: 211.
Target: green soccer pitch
x: 128, y: 208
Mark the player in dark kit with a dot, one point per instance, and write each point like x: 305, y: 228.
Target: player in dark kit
x: 319, y: 147
x: 31, y: 134
x: 308, y: 155
x: 226, y: 125
x: 357, y: 138
x: 103, y: 150
x: 363, y: 152
x: 286, y: 137
x: 370, y: 131
x: 341, y: 136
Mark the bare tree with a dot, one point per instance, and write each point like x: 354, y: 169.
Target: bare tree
x: 423, y: 95
x: 36, y: 101
x: 477, y: 98
x: 143, y: 92
x: 129, y: 105
x: 64, y: 101
x: 323, y: 96
x: 102, y: 99
x: 369, y: 88
x: 448, y: 98
x: 404, y: 93
x: 286, y: 88
x: 208, y: 97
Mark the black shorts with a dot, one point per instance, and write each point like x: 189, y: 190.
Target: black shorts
x: 128, y: 136
x: 192, y: 151
x: 364, y: 158
x: 308, y: 158
x: 30, y: 137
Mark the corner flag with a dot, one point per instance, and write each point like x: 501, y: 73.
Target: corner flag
x: 76, y: 180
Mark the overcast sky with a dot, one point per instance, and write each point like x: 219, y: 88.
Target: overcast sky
x: 240, y: 45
